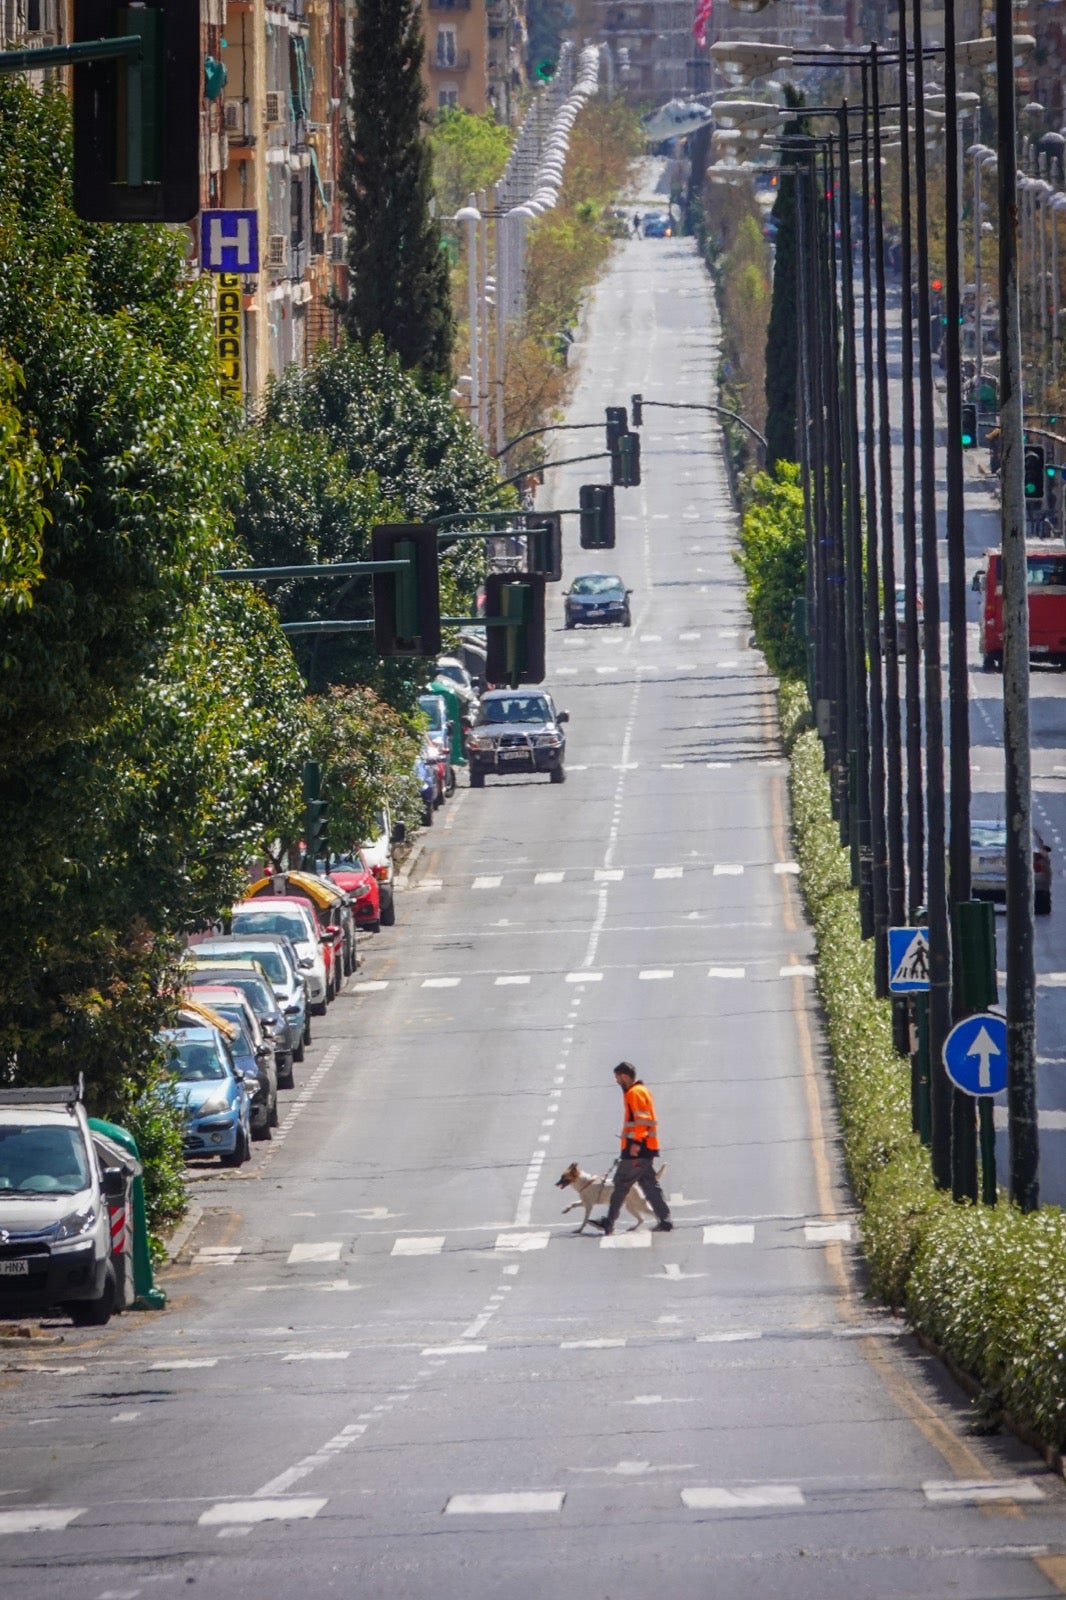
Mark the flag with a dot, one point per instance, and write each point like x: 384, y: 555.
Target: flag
x: 700, y: 21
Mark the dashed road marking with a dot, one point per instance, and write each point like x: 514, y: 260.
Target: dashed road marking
x: 431, y: 1245
x: 253, y: 1511
x: 978, y: 1491
x: 40, y: 1519
x: 729, y: 1233
x: 217, y: 1255
x: 726, y: 972
x: 519, y: 1503
x: 826, y: 1232
x: 487, y: 882
x: 651, y: 974
x: 317, y: 1355
x: 510, y: 978
x: 506, y: 1242
x: 668, y: 872
x: 440, y: 983
x: 318, y: 1250
x: 746, y: 1497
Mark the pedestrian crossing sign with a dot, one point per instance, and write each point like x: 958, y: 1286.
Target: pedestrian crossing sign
x: 908, y: 960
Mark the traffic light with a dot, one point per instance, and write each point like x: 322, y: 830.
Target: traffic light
x: 544, y: 71
x: 544, y: 536
x: 514, y: 654
x: 1034, y: 472
x: 137, y: 128
x: 316, y: 815
x: 617, y: 425
x: 636, y: 406
x: 969, y: 427
x: 596, y: 504
x: 406, y: 603
x: 627, y: 459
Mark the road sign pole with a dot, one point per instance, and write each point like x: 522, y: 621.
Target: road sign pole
x: 920, y: 1091
x: 987, y: 1140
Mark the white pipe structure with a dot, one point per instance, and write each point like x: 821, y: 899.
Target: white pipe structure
x: 472, y: 217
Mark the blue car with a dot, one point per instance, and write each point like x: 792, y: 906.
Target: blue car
x: 213, y: 1094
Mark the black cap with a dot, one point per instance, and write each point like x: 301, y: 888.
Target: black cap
x: 626, y: 1066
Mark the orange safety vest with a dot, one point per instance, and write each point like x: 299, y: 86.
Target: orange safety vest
x: 640, y: 1125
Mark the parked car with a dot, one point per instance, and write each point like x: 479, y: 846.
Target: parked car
x: 453, y: 671
x: 597, y: 597
x: 377, y: 852
x: 439, y: 733
x: 360, y: 885
x: 517, y: 730
x: 252, y: 1052
x: 250, y: 978
x: 278, y: 958
x: 331, y: 911
x: 430, y: 784
x: 213, y: 1094
x: 988, y: 865
x: 55, y: 1229
x: 656, y: 225
x: 296, y: 921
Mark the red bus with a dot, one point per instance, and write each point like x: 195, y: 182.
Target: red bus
x: 1047, y: 607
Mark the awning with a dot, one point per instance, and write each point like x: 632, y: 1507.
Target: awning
x: 193, y: 1013
x: 323, y: 894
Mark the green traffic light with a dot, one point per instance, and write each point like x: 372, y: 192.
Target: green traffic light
x: 544, y: 71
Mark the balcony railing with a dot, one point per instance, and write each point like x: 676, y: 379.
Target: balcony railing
x: 450, y: 61
x: 449, y: 5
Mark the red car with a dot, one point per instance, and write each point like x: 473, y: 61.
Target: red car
x: 330, y: 936
x: 358, y: 882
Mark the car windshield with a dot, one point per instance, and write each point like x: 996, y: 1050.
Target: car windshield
x: 515, y: 708
x: 456, y: 674
x: 598, y: 583
x: 235, y: 1015
x: 432, y: 708
x: 271, y: 961
x: 36, y: 1160
x: 1047, y: 572
x: 287, y: 922
x: 988, y: 835
x: 195, y: 1062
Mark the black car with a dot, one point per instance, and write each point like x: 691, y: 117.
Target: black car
x: 597, y: 597
x: 517, y: 730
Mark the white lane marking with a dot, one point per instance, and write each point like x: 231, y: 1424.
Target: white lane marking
x: 975, y: 1491
x: 791, y: 868
x: 729, y: 1233
x: 217, y: 1255
x: 318, y: 1355
x: 183, y: 1366
x: 43, y: 1519
x: 651, y: 638
x: 431, y: 1245
x: 797, y: 969
x: 511, y: 978
x: 487, y: 882
x: 826, y: 1232
x: 250, y: 1511
x: 730, y: 1336
x: 319, y: 1250
x: 658, y: 1400
x: 607, y: 669
x: 726, y: 666
x: 518, y: 1503
x: 725, y: 972
x: 608, y: 874
x: 668, y: 872
x: 584, y: 977
x: 672, y: 1271
x: 727, y: 869
x: 745, y: 1497
x: 626, y: 1241
x: 650, y: 974
x: 455, y: 1350
x: 672, y: 766
x: 125, y: 1416
x: 686, y: 638
x: 373, y: 986
x: 548, y: 877
x: 718, y: 766
x: 524, y: 1210
x: 593, y: 1344
x: 440, y: 983
x: 522, y: 1241
x: 684, y: 666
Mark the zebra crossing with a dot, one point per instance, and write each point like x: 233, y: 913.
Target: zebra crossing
x: 769, y: 970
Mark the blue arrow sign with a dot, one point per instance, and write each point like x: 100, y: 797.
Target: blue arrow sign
x: 908, y: 960
x: 975, y: 1054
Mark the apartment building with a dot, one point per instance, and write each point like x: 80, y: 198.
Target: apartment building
x: 475, y: 54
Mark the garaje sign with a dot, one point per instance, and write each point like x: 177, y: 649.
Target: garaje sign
x: 229, y: 352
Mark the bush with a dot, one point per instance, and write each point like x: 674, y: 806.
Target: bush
x: 773, y: 559
x: 988, y: 1285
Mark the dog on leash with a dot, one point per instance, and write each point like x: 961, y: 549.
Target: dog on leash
x: 593, y: 1191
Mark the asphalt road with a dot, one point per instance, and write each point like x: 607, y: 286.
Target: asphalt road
x: 389, y: 1367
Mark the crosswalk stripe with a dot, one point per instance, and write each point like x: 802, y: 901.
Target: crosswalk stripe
x: 650, y: 974
x: 375, y: 986
x: 789, y: 867
x: 217, y: 1255
x: 183, y: 1366
x: 826, y: 1232
x: 317, y: 1355
x: 584, y: 977
x: 626, y: 1241
x: 487, y: 882
x: 318, y: 1250
x: 608, y: 874
x: 431, y: 1245
x: 975, y: 1491
x: 548, y: 877
x: 745, y: 1497
x: 39, y: 1519
x: 729, y: 1233
x: 290, y: 1509
x: 668, y: 872
x: 522, y: 1241
x: 797, y: 969
x: 516, y: 1503
x: 511, y: 978
x: 440, y: 983
x: 727, y: 869
x: 725, y: 972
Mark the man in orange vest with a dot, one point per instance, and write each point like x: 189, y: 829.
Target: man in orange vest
x: 640, y: 1146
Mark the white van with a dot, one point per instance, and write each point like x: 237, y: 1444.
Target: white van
x: 55, y: 1231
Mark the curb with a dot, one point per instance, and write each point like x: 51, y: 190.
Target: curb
x: 180, y: 1237
x: 406, y: 872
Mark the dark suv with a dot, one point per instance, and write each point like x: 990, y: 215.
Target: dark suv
x: 517, y: 730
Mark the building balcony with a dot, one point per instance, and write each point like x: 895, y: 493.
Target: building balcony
x: 449, y: 5
x: 456, y: 61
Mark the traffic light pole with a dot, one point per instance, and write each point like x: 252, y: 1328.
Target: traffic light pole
x: 127, y: 48
x: 720, y: 411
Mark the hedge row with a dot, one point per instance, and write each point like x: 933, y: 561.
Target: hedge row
x: 987, y: 1284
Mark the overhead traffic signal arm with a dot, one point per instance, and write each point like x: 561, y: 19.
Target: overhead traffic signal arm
x: 514, y: 628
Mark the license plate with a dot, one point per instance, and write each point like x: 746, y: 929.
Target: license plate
x: 14, y: 1269
x: 514, y: 755
x: 594, y: 612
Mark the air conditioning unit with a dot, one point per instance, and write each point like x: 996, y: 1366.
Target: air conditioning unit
x: 327, y: 191
x: 277, y: 250
x: 233, y: 112
x: 338, y: 247
x: 273, y: 107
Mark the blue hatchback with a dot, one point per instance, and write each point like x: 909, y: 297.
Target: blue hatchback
x: 213, y: 1094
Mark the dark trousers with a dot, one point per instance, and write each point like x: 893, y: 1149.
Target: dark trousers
x: 640, y: 1170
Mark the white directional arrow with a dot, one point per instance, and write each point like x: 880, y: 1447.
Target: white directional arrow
x: 372, y: 1213
x: 984, y: 1048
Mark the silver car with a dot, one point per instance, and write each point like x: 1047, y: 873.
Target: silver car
x: 988, y: 865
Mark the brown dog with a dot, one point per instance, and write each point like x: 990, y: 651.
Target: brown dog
x: 593, y: 1191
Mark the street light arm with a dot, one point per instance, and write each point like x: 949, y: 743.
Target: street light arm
x: 721, y: 411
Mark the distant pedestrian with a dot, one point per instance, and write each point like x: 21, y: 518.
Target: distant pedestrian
x: 640, y: 1147
x: 636, y: 223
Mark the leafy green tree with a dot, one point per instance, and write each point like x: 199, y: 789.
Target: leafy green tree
x: 782, y: 341
x: 398, y: 283
x: 368, y: 751
x: 469, y: 153
x: 773, y: 558
x: 24, y: 476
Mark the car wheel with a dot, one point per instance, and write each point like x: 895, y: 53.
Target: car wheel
x: 627, y: 620
x: 569, y: 620
x: 1042, y: 902
x: 427, y: 816
x: 988, y: 662
x: 240, y: 1152
x: 263, y: 1131
x: 297, y: 1055
x: 477, y: 779
x: 95, y: 1313
x: 307, y: 1025
x: 287, y: 1080
x: 557, y: 775
x: 449, y: 787
x: 319, y: 1007
x: 388, y: 912
x: 274, y: 1119
x: 374, y: 927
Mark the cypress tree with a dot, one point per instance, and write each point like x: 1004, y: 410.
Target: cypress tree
x: 397, y: 267
x: 782, y: 341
